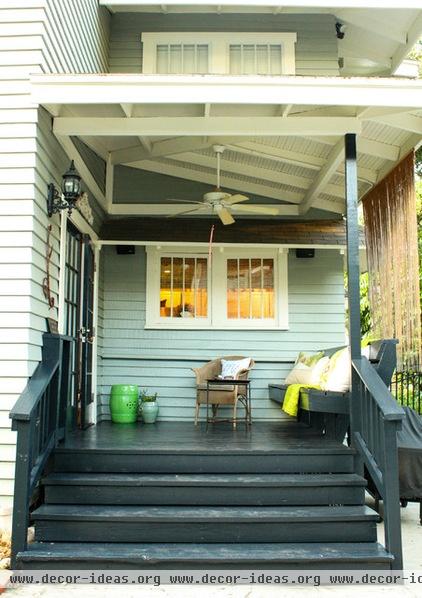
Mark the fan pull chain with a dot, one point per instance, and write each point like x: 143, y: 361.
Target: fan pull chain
x: 218, y: 170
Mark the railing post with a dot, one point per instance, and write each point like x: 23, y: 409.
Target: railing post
x: 21, y: 496
x: 392, y: 522
x: 353, y: 283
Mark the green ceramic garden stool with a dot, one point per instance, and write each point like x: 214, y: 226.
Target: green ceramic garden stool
x: 124, y: 403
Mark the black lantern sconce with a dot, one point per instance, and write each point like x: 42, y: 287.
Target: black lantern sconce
x: 66, y: 198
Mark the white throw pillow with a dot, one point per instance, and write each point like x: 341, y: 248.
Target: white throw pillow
x: 300, y: 374
x: 230, y: 368
x: 318, y: 370
x: 305, y: 374
x: 338, y: 375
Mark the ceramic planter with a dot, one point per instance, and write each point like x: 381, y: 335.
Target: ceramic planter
x: 149, y: 411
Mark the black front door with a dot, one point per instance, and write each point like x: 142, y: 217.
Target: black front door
x: 78, y: 320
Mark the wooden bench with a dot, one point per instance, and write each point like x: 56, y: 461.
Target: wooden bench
x: 328, y: 411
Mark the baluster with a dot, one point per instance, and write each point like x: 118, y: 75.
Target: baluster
x: 21, y: 497
x: 36, y: 432
x: 378, y: 424
x: 392, y: 524
x: 44, y: 429
x: 372, y: 419
x: 365, y: 415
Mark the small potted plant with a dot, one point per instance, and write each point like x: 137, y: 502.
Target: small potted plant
x: 148, y: 407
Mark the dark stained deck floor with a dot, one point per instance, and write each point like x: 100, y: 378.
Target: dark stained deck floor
x: 183, y: 436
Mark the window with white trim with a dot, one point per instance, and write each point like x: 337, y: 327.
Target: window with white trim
x: 218, y: 53
x: 237, y: 288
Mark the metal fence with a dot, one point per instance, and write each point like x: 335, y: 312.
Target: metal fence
x: 406, y: 386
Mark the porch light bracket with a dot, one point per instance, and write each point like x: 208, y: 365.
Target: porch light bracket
x: 68, y: 195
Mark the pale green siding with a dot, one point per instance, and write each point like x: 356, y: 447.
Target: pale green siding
x: 316, y: 47
x: 131, y: 354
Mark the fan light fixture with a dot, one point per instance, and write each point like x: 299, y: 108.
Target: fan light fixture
x: 221, y: 202
x: 68, y: 195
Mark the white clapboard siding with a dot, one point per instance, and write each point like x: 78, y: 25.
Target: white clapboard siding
x: 34, y: 38
x: 316, y: 320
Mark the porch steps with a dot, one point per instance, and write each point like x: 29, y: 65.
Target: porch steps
x: 293, y: 459
x: 276, y: 497
x: 203, y: 489
x: 280, y: 556
x: 87, y: 523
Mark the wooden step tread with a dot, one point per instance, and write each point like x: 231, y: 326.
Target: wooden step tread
x: 147, y: 555
x: 219, y: 515
x: 296, y: 448
x: 213, y: 480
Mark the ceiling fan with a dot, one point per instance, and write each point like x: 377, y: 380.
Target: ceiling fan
x: 221, y: 203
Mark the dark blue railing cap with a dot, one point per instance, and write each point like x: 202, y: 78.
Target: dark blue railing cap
x: 388, y: 406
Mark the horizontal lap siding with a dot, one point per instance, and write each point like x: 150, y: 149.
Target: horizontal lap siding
x: 316, y: 47
x: 21, y: 268
x: 32, y: 40
x: 316, y: 319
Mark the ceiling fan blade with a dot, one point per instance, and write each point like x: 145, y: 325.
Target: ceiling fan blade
x: 184, y: 212
x: 224, y: 215
x: 237, y: 198
x: 257, y: 210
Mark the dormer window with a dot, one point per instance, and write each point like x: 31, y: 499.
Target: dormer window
x: 219, y: 53
x: 255, y: 59
x: 182, y: 59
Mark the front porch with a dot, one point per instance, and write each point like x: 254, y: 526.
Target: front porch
x: 301, y: 163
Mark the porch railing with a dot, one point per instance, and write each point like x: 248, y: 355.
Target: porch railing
x: 375, y: 419
x: 39, y: 418
x: 406, y: 387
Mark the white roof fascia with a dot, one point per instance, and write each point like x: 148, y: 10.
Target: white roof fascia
x: 331, y: 4
x: 203, y: 89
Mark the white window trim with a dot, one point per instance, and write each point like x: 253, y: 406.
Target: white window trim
x: 217, y: 307
x: 218, y: 44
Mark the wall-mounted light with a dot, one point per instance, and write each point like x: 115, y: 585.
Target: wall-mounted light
x: 340, y: 30
x: 66, y: 198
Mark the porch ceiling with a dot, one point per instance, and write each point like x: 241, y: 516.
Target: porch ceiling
x: 287, y: 154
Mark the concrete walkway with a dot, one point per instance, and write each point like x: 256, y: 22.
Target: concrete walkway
x: 412, y: 543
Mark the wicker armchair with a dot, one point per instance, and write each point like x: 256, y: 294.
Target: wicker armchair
x: 219, y: 394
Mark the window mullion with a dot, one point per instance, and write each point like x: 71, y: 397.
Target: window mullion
x: 238, y: 289
x: 250, y: 287
x: 183, y: 285
x: 171, y: 288
x: 195, y: 287
x: 262, y: 288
